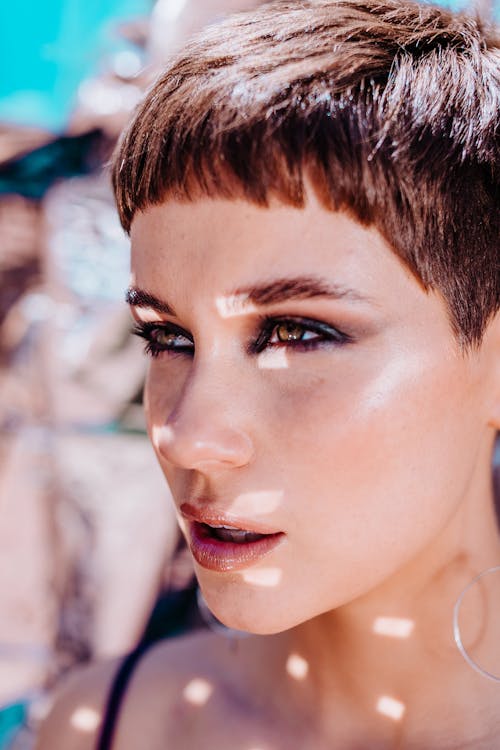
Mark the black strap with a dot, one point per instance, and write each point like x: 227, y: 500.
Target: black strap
x: 116, y: 696
x: 175, y: 612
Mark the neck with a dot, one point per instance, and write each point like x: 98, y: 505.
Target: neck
x: 388, y: 662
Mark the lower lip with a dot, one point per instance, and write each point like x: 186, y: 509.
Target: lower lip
x: 214, y: 554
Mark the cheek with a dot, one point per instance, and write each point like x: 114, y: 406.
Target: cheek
x: 362, y: 450
x: 395, y: 413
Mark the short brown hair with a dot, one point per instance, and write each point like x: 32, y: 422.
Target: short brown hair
x: 389, y: 108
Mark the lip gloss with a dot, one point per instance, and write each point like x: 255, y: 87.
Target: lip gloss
x: 223, y: 556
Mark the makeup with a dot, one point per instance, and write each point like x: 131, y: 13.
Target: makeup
x: 224, y: 544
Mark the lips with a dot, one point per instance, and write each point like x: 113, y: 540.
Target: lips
x: 221, y: 542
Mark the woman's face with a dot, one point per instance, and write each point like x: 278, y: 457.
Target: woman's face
x: 303, y: 387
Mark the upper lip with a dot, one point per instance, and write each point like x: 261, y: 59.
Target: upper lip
x: 214, y: 517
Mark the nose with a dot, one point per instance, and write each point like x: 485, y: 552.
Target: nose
x: 204, y: 429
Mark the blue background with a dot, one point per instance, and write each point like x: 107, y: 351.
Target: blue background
x: 47, y: 48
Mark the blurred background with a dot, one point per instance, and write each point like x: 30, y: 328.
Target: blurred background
x: 90, y: 558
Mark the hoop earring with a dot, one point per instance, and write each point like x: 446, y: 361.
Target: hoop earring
x: 456, y: 628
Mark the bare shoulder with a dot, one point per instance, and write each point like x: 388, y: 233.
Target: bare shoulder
x: 76, y: 714
x: 182, y: 691
x: 180, y: 686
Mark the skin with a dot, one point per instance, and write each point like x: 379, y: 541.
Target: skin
x: 372, y: 454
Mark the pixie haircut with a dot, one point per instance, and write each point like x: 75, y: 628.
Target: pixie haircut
x: 388, y: 109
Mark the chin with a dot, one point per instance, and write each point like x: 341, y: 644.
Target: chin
x: 255, y: 626
x: 251, y: 614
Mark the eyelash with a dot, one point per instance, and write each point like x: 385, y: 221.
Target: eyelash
x: 326, y: 334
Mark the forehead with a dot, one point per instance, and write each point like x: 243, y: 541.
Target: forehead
x: 215, y: 241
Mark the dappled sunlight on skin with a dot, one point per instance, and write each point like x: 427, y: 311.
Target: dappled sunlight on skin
x: 262, y: 501
x: 198, y: 691
x: 265, y: 577
x: 297, y: 667
x: 162, y: 433
x: 85, y: 719
x: 390, y: 707
x: 394, y: 627
x: 273, y: 359
x: 233, y: 305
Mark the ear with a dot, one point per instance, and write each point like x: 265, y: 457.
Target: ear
x: 491, y: 353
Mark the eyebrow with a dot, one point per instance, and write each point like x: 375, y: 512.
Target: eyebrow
x: 136, y: 297
x: 267, y: 293
x: 300, y: 287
